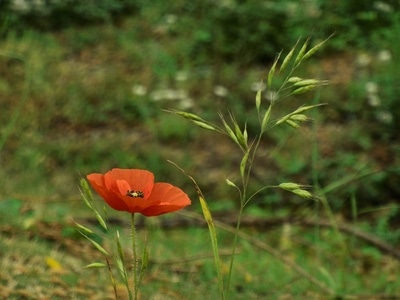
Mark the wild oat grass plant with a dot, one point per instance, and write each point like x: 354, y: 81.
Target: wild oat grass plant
x: 128, y: 190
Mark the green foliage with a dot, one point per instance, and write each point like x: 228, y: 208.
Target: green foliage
x: 373, y: 101
x: 88, y: 98
x: 233, y: 29
x: 54, y: 14
x: 379, y: 89
x: 356, y: 24
x: 170, y: 128
x: 69, y: 81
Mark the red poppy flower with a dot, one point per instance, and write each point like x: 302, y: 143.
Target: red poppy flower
x: 134, y: 190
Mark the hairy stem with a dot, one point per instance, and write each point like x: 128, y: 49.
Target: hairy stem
x: 135, y: 260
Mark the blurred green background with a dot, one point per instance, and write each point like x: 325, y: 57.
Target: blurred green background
x: 83, y: 85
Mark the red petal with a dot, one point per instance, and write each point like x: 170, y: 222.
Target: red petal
x: 98, y: 183
x: 141, y: 180
x: 165, y: 198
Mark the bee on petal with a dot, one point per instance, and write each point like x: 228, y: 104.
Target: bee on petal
x: 135, y: 194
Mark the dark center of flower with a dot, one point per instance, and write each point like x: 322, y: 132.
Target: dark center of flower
x: 135, y: 194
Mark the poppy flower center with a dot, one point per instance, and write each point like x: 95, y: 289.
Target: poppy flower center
x: 135, y: 194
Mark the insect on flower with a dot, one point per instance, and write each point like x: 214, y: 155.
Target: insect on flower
x: 134, y: 191
x: 135, y: 194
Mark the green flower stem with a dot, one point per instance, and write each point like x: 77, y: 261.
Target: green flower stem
x: 135, y: 260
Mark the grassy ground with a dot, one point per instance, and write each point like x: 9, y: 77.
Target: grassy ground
x: 45, y: 259
x: 85, y: 100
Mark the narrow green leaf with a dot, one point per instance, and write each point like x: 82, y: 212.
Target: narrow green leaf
x: 258, y: 100
x: 84, y: 185
x: 299, y: 118
x: 305, y: 108
x: 272, y: 71
x: 119, y: 246
x: 88, y: 199
x: 294, y: 79
x: 186, y: 115
x: 302, y: 193
x: 314, y: 49
x: 243, y: 163
x: 145, y: 261
x: 304, y: 89
x: 292, y: 124
x: 84, y: 228
x: 204, y: 125
x: 212, y: 231
x: 229, y: 131
x: 296, y: 112
x: 265, y: 119
x: 195, y: 119
x: 122, y: 270
x: 245, y: 135
x: 214, y: 242
x: 97, y: 245
x: 300, y: 55
x: 96, y: 265
x: 289, y: 186
x: 305, y: 82
x: 239, y: 134
x: 288, y: 57
x: 231, y: 183
x: 101, y: 220
x: 86, y: 193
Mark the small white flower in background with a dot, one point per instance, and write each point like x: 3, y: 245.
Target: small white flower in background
x: 186, y: 103
x: 382, y: 6
x: 363, y: 60
x: 371, y: 87
x: 168, y: 94
x: 292, y: 8
x: 226, y: 3
x: 139, y: 90
x: 170, y: 19
x: 385, y: 117
x: 384, y: 56
x: 180, y: 94
x: 374, y: 100
x: 20, y: 5
x: 220, y: 91
x: 181, y: 76
x: 372, y: 94
x: 159, y: 95
x: 256, y: 86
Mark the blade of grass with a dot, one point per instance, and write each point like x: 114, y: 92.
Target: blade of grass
x: 211, y: 228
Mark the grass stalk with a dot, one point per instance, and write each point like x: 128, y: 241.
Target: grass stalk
x: 211, y: 228
x: 114, y: 285
x: 235, y: 239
